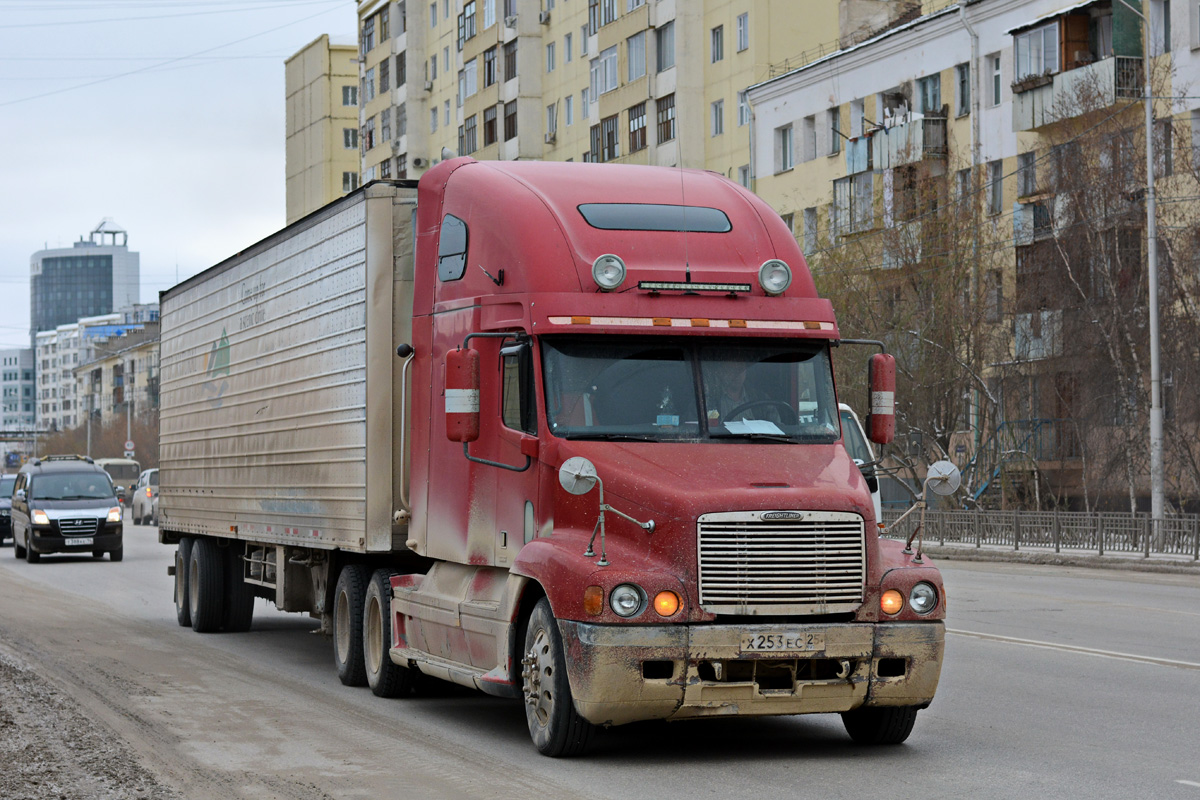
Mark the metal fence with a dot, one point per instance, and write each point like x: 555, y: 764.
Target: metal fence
x: 1057, y: 531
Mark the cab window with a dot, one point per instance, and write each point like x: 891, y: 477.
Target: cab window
x: 516, y: 386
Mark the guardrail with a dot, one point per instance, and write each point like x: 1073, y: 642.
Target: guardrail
x: 1102, y: 532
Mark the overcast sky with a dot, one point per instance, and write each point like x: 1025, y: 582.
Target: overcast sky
x: 166, y: 115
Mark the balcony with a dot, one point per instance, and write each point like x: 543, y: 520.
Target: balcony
x: 1041, y: 100
x: 911, y: 141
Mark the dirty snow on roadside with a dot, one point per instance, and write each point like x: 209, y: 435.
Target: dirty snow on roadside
x: 50, y: 751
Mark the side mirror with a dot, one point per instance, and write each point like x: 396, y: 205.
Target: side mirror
x: 462, y: 395
x: 881, y: 422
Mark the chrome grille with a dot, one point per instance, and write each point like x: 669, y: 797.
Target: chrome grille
x: 773, y: 562
x: 78, y: 526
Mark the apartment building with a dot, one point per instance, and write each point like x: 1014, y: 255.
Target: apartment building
x: 17, y: 389
x: 120, y: 377
x: 322, y: 125
x: 637, y: 81
x: 1005, y: 137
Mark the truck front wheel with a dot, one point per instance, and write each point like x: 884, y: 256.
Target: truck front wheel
x: 554, y: 725
x: 880, y: 724
x: 348, y: 599
x: 386, y: 678
x: 183, y: 557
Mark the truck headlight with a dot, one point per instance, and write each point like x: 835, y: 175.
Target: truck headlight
x: 626, y: 600
x: 608, y: 271
x: 774, y: 276
x: 923, y: 598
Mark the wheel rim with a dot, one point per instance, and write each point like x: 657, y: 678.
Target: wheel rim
x: 374, y: 636
x: 341, y: 614
x: 538, y: 679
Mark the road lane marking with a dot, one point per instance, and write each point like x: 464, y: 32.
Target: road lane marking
x: 1068, y: 648
x: 1190, y: 783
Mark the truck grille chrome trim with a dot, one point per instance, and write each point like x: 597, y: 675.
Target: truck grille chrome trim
x: 761, y: 562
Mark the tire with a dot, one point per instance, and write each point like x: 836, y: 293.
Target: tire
x: 117, y: 555
x: 554, y: 725
x: 386, y: 678
x: 31, y: 555
x: 206, y: 586
x: 348, y: 599
x: 880, y: 725
x: 239, y: 595
x: 18, y: 551
x: 183, y: 556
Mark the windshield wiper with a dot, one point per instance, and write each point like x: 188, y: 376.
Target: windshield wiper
x: 762, y: 437
x: 613, y: 437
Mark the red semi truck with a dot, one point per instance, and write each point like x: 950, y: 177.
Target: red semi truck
x: 566, y: 433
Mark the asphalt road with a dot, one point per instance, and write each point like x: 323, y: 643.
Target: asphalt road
x: 1058, y: 682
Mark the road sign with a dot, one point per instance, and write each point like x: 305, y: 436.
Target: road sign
x: 129, y: 454
x: 129, y: 446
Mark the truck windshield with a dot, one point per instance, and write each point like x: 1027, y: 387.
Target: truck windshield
x: 675, y: 388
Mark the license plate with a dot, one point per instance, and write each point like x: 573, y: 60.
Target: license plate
x: 78, y: 541
x: 782, y: 642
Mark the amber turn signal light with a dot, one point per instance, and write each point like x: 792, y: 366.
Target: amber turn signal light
x: 593, y: 600
x: 891, y: 602
x: 666, y: 603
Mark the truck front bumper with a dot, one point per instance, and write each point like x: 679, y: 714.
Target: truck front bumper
x: 622, y: 674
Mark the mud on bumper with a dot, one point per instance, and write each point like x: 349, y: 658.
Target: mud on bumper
x: 623, y: 674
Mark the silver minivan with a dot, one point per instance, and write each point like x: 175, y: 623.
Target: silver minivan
x: 65, y: 504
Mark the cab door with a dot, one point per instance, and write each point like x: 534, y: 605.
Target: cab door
x: 516, y: 445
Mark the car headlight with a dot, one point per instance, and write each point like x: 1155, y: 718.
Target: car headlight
x: 114, y: 514
x: 40, y: 518
x: 923, y: 598
x: 626, y: 600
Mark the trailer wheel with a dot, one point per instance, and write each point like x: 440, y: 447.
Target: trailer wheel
x: 554, y: 725
x: 206, y: 586
x: 386, y: 678
x: 239, y: 596
x: 880, y: 725
x: 348, y: 600
x: 183, y: 557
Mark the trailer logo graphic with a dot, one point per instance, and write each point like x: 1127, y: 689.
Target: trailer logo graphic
x: 216, y: 364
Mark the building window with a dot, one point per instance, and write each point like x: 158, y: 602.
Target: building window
x: 384, y: 35
x: 743, y: 32
x: 401, y: 69
x: 810, y: 230
x: 929, y: 95
x: 962, y: 74
x: 385, y: 169
x: 994, y: 63
x: 665, y: 116
x: 604, y: 72
x: 367, y: 42
x: 744, y: 175
x: 385, y: 75
x: 567, y: 54
x: 1026, y: 174
x: 743, y: 109
x: 995, y: 186
x: 510, y: 60
x: 470, y: 136
x: 664, y: 40
x: 469, y: 19
x: 489, y: 13
x: 1036, y: 52
x: 608, y: 11
x: 610, y: 144
x: 433, y: 15
x: 635, y: 4
x: 385, y: 125
x: 717, y: 108
x: 718, y: 43
x: 446, y: 114
x: 433, y: 68
x: 637, y: 127
x: 368, y: 134
x: 489, y: 126
x: 810, y: 138
x: 635, y: 55
x: 433, y: 120
x: 583, y: 40
x: 350, y: 138
x: 550, y: 57
x: 835, y: 131
x: 510, y: 120
x: 784, y: 149
x: 570, y: 110
x: 349, y: 181
x: 349, y: 95
x: 593, y: 17
x: 470, y: 78
x: 489, y: 66
x: 551, y: 120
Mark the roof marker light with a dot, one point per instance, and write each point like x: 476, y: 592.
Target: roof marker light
x: 774, y: 276
x: 608, y: 271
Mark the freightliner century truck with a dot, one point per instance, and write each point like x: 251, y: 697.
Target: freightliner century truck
x: 565, y: 433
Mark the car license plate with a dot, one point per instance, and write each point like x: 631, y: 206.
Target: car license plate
x: 82, y: 540
x: 782, y: 642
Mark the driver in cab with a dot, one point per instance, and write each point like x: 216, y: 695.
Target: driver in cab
x: 730, y: 398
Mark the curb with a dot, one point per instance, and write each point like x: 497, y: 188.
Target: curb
x: 1175, y: 567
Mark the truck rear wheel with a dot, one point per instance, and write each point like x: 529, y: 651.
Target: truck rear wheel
x: 206, y: 586
x: 239, y: 596
x: 881, y: 724
x: 183, y: 557
x: 348, y: 599
x: 554, y: 725
x: 385, y: 677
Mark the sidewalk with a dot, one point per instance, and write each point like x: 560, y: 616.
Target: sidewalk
x: 1177, y: 564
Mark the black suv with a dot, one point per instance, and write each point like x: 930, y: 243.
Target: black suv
x: 65, y: 504
x: 6, y: 492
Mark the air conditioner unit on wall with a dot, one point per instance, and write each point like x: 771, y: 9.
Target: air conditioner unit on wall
x: 420, y: 163
x: 544, y: 17
x: 429, y: 86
